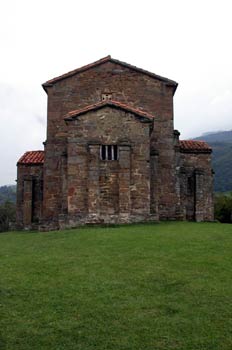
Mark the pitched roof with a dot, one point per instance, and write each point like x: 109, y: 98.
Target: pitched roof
x: 32, y: 158
x: 115, y: 104
x: 103, y: 60
x: 190, y: 146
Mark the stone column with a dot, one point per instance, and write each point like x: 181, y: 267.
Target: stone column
x: 124, y: 182
x: 27, y: 202
x: 77, y: 180
x: 199, y: 195
x: 93, y: 182
x: 183, y: 192
x: 64, y: 204
x: 154, y: 183
x: 64, y: 196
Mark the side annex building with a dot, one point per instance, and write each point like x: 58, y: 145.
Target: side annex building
x: 112, y: 154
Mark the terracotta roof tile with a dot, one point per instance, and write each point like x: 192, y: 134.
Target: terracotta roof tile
x: 32, y: 157
x: 103, y: 60
x: 116, y: 104
x: 194, y: 146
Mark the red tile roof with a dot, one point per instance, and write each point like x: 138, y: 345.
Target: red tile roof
x: 37, y: 157
x: 103, y: 60
x: 115, y: 104
x: 32, y: 157
x: 194, y: 146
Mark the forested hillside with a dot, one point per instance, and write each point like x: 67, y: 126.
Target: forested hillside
x: 7, y: 193
x: 7, y: 206
x: 221, y: 143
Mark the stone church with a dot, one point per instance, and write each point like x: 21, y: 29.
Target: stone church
x: 112, y: 154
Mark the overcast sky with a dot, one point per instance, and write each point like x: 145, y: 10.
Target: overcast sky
x: 186, y: 41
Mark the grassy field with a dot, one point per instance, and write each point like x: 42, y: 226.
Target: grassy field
x: 139, y: 287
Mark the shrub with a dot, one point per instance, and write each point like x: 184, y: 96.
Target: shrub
x: 223, y: 207
x: 7, y: 215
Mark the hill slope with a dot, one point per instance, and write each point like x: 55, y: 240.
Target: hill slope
x: 221, y: 143
x: 7, y: 193
x: 220, y: 136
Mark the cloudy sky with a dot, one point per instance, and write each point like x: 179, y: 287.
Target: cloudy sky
x: 184, y: 40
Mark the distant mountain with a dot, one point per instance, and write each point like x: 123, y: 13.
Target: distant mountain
x: 221, y: 143
x: 7, y: 193
x: 220, y: 136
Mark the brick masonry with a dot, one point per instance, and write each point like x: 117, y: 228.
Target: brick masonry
x: 154, y: 177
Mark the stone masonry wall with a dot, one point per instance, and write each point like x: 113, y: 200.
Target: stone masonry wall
x: 130, y: 87
x: 196, y: 181
x: 153, y: 178
x: 108, y: 191
x: 29, y: 195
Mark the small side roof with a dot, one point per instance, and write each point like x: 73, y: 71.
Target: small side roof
x: 32, y: 158
x: 190, y: 146
x: 114, y: 104
x: 104, y: 60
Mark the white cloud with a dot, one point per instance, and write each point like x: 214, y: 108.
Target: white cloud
x: 22, y: 127
x: 185, y: 41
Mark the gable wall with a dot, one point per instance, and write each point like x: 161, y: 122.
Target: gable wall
x: 127, y: 86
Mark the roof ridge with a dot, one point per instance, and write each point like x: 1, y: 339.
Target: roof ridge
x: 38, y: 150
x: 194, y: 141
x: 74, y: 71
x: 70, y: 116
x: 103, y: 60
x: 154, y: 75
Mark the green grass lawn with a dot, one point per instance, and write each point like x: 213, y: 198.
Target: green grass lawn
x: 139, y: 287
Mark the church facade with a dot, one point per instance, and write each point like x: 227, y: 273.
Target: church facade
x: 112, y: 154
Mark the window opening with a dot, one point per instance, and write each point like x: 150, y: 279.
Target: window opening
x: 106, y: 97
x: 109, y: 152
x: 190, y: 185
x: 103, y: 152
x: 115, y: 152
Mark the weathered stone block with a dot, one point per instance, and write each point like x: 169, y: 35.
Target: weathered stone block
x: 143, y: 181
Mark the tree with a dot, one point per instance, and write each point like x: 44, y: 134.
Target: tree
x: 223, y: 207
x: 7, y: 215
